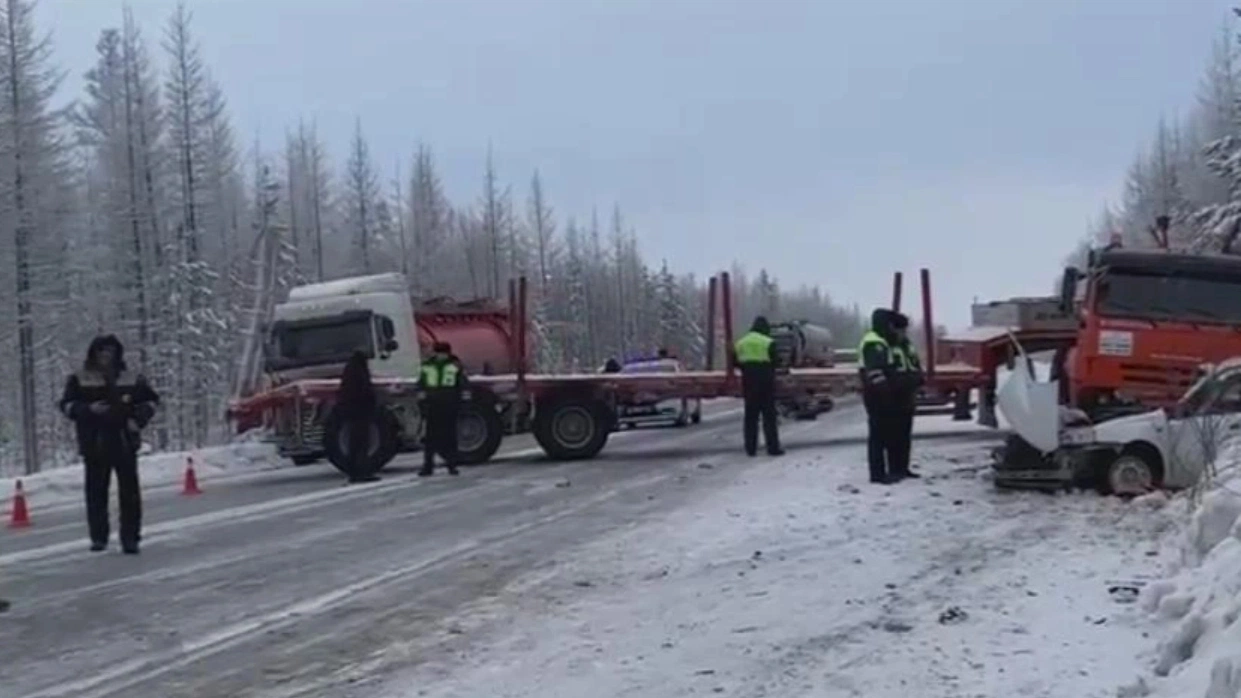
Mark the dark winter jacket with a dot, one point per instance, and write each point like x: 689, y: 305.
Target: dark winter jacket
x: 911, y: 378
x: 356, y: 397
x: 130, y: 402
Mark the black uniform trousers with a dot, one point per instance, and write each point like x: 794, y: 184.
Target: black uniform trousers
x: 441, y: 437
x: 760, y: 403
x: 107, y: 459
x: 883, y: 424
x: 359, y: 445
x: 904, y: 440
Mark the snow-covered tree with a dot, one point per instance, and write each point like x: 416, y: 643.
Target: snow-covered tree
x: 361, y: 197
x: 137, y: 216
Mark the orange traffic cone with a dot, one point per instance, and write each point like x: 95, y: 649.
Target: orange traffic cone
x: 21, y: 515
x: 190, y: 488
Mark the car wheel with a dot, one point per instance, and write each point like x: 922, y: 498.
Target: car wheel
x: 1129, y: 475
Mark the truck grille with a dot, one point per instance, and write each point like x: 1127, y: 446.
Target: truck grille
x: 311, y: 427
x: 1155, y: 376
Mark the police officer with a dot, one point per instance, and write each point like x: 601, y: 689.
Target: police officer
x: 442, y: 381
x: 879, y: 376
x: 905, y: 396
x: 756, y: 356
x: 110, y: 406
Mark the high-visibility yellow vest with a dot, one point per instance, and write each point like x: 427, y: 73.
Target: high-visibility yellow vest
x: 871, y: 337
x: 440, y: 375
x: 753, y: 348
x: 905, y: 358
x: 871, y: 376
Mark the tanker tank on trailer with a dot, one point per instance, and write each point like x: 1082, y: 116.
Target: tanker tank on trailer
x: 480, y: 331
x: 802, y: 344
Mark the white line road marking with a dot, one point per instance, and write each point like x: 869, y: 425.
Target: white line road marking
x: 128, y: 674
x: 294, y: 503
x: 230, y: 515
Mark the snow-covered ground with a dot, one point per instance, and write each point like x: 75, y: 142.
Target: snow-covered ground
x: 795, y: 580
x: 1197, y: 606
x: 63, y: 485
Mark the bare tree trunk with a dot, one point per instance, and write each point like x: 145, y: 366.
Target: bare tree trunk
x: 25, y: 330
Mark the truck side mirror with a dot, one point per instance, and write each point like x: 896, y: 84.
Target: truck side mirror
x: 1068, y: 289
x: 387, y: 328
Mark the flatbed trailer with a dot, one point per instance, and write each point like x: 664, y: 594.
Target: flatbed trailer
x: 571, y: 415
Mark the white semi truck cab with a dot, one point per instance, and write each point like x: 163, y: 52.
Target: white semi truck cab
x: 321, y: 325
x: 315, y: 332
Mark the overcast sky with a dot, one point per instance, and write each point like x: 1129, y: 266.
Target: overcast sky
x: 829, y: 141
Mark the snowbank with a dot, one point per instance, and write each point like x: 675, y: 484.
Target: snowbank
x: 1199, y: 655
x: 63, y: 485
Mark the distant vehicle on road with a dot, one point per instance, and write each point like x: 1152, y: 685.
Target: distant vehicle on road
x: 648, y: 409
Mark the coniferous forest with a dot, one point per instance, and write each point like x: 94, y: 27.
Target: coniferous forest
x: 1190, y: 171
x: 138, y: 210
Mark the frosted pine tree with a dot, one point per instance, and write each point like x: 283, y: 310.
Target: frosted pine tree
x: 430, y: 225
x: 581, y: 342
x: 502, y: 251
x: 542, y: 229
x: 361, y: 197
x: 671, y: 311
x: 192, y: 105
x: 31, y: 175
x: 1220, y: 223
x: 270, y: 262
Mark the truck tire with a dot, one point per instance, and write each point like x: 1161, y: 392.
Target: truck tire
x: 479, y: 432
x: 572, y: 428
x: 384, y: 440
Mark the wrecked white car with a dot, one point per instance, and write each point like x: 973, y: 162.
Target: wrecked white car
x: 1054, y: 446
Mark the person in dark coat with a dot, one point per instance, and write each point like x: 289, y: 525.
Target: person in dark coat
x: 756, y: 357
x: 4, y: 605
x: 442, y: 381
x: 909, y: 380
x: 359, y: 405
x: 878, y: 373
x: 110, y: 406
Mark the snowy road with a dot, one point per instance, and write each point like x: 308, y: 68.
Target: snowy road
x: 634, y: 574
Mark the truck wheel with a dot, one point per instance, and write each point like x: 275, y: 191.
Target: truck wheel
x: 1131, y: 474
x: 572, y: 428
x: 479, y: 432
x: 383, y: 441
x: 696, y: 417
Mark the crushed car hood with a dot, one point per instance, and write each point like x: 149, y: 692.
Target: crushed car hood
x: 1031, y: 408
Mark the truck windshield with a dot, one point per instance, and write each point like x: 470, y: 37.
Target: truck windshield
x: 1155, y: 296
x: 326, y: 342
